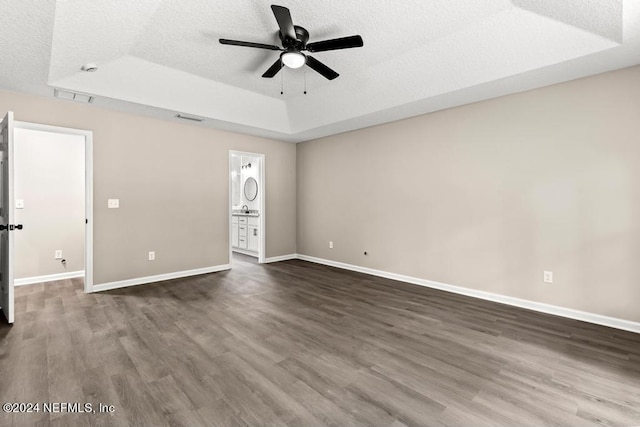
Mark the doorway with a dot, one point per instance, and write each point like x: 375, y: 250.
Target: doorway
x: 49, y: 191
x: 76, y: 259
x: 10, y: 227
x: 247, y: 215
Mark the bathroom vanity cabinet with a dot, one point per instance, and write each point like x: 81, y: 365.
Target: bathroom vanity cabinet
x: 245, y: 232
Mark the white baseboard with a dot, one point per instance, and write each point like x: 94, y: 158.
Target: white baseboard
x: 245, y: 252
x: 48, y: 278
x: 159, y: 278
x: 280, y: 258
x: 598, y: 319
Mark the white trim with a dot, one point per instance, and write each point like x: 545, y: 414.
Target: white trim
x: 88, y: 190
x: 245, y: 252
x: 88, y: 230
x: 262, y: 254
x: 598, y: 319
x: 48, y: 278
x: 281, y: 258
x: 159, y: 278
x: 230, y: 207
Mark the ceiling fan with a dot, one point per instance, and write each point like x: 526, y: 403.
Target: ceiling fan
x: 294, y: 41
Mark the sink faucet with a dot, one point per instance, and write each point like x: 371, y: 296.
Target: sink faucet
x: 245, y: 208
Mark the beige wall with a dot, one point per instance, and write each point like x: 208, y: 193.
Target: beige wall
x: 49, y: 177
x: 487, y: 196
x: 172, y: 180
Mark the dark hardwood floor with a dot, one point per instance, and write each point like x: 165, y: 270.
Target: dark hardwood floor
x: 300, y: 344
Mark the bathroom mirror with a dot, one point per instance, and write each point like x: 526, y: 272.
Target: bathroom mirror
x: 250, y: 189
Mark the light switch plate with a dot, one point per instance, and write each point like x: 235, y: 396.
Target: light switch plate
x: 113, y: 203
x: 58, y: 254
x: 19, y: 203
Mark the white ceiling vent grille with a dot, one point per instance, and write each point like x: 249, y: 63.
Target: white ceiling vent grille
x: 192, y: 118
x: 73, y: 96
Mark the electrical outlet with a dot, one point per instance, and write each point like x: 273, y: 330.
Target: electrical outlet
x: 548, y: 277
x: 113, y: 203
x: 19, y: 203
x: 58, y: 254
x: 330, y: 245
x: 152, y: 256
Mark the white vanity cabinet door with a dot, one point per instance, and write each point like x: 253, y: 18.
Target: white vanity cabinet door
x: 253, y: 238
x: 234, y: 231
x: 234, y: 235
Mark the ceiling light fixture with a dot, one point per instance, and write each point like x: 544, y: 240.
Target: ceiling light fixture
x: 293, y: 59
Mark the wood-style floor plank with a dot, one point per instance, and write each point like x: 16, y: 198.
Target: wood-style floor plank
x: 301, y: 344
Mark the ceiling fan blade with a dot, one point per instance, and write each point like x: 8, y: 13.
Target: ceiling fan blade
x: 334, y: 44
x: 283, y: 16
x: 273, y: 70
x: 318, y: 66
x: 249, y: 44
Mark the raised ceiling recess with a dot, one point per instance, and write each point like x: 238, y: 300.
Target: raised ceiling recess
x: 162, y: 57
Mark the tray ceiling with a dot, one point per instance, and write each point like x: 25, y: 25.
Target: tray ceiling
x: 160, y: 57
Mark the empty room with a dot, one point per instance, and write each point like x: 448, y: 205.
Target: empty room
x: 421, y: 213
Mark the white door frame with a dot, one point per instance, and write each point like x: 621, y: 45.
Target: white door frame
x: 261, y: 191
x: 88, y: 190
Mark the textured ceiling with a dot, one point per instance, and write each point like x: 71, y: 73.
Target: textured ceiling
x: 159, y: 57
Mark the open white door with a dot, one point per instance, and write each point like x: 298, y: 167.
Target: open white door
x: 6, y: 213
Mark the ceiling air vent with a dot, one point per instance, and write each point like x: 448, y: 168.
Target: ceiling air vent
x: 192, y: 118
x: 73, y: 96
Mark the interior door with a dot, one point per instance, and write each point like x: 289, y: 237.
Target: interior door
x: 6, y: 213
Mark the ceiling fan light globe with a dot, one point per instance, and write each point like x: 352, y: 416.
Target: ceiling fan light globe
x: 293, y: 59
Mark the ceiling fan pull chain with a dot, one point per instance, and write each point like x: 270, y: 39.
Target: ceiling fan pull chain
x: 305, y: 82
x: 281, y: 83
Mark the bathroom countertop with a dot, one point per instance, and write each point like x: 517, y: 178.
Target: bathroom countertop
x: 250, y: 213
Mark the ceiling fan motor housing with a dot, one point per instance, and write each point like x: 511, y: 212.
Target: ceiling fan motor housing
x: 300, y: 43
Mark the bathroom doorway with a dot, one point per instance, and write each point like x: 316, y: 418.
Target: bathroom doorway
x: 247, y: 216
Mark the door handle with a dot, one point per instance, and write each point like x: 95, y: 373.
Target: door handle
x: 11, y: 227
